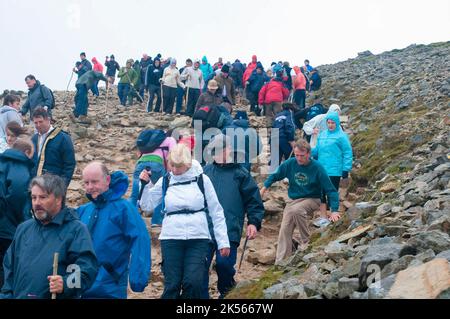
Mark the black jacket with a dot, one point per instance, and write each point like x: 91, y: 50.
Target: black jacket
x: 38, y: 95
x: 59, y: 156
x: 239, y: 196
x: 15, y: 174
x: 29, y: 259
x: 111, y: 67
x: 153, y: 75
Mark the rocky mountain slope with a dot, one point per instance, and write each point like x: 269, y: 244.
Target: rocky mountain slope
x: 394, y: 239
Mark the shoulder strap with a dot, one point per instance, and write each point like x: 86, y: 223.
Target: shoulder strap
x: 165, y: 186
x: 201, y: 185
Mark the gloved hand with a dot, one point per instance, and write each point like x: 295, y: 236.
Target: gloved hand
x: 344, y: 175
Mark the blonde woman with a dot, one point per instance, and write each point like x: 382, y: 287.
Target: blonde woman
x: 187, y: 197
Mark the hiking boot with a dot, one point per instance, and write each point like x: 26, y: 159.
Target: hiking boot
x: 321, y: 222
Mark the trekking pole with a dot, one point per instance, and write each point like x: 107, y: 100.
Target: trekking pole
x: 55, y: 269
x: 162, y: 98
x: 67, y: 89
x: 243, y: 253
x: 106, y: 101
x: 187, y: 99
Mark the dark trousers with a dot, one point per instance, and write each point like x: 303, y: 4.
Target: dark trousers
x: 170, y: 94
x: 81, y: 100
x: 194, y: 94
x: 300, y: 98
x: 94, y: 89
x: 224, y: 268
x: 335, y: 180
x: 4, y: 245
x: 253, y: 99
x: 123, y: 89
x: 183, y: 266
x: 152, y: 91
x: 180, y: 97
x: 285, y: 150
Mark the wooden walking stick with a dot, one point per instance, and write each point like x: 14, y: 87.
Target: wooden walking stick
x: 162, y: 98
x: 55, y: 269
x: 243, y: 252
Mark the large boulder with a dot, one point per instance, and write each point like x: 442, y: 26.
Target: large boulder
x: 436, y: 240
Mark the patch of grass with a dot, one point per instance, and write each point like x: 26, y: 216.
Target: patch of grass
x: 255, y: 289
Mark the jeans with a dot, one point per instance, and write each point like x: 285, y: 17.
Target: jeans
x: 154, y: 90
x: 194, y: 94
x: 184, y: 263
x: 94, y: 89
x: 81, y: 100
x: 224, y: 268
x: 300, y: 98
x: 180, y: 97
x: 123, y: 89
x: 4, y: 245
x: 169, y: 95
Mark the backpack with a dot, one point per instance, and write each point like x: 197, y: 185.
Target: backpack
x: 315, y: 110
x: 165, y: 186
x: 209, y: 115
x: 150, y: 140
x: 52, y: 105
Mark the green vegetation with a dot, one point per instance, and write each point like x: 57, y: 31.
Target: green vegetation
x: 255, y: 289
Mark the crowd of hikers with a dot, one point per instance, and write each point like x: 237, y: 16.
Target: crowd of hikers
x: 198, y: 190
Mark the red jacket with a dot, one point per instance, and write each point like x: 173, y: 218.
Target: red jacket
x: 274, y: 91
x: 97, y: 66
x: 300, y: 80
x: 249, y: 70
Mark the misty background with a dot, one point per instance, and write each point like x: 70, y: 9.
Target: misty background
x: 45, y: 37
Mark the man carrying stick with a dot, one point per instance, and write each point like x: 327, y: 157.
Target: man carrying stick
x: 28, y: 263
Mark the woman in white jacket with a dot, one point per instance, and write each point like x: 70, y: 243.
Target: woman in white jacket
x: 318, y: 124
x: 185, y: 235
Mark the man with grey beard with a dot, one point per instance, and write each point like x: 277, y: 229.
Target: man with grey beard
x: 28, y: 264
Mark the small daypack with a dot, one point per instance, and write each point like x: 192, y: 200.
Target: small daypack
x: 315, y: 110
x: 209, y: 115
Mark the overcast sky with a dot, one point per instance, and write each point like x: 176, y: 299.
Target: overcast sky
x: 45, y: 37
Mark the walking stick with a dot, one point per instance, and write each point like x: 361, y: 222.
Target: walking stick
x: 67, y: 89
x: 106, y: 101
x: 55, y: 269
x: 243, y: 253
x: 187, y: 99
x: 162, y: 98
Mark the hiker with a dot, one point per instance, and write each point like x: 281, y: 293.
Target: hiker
x: 182, y: 91
x: 9, y: 112
x: 153, y: 84
x: 98, y: 67
x: 272, y: 96
x: 54, y: 152
x: 254, y: 85
x: 83, y: 66
x: 315, y: 80
x: 135, y: 85
x: 249, y: 70
x: 188, y: 198
x: 308, y: 67
x: 13, y: 131
x: 84, y: 82
x: 226, y: 85
x: 307, y: 180
x: 28, y: 263
x: 207, y: 70
x: 145, y: 62
x: 153, y: 150
x: 111, y: 68
x: 236, y: 73
x: 127, y: 76
x: 284, y: 124
x: 246, y: 143
x: 218, y: 65
x: 287, y: 79
x: 210, y: 97
x: 334, y: 152
x: 15, y: 174
x: 299, y: 86
x: 318, y: 123
x: 170, y: 81
x: 119, y: 235
x: 194, y: 83
x: 38, y: 96
x: 239, y: 196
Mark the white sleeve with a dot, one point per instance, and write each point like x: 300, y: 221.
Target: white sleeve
x: 151, y: 196
x: 309, y: 126
x: 293, y: 73
x: 217, y: 214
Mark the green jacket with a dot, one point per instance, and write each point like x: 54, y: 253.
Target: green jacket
x: 128, y: 78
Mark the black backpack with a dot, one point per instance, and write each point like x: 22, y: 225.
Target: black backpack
x: 315, y: 110
x: 209, y: 115
x: 52, y: 105
x: 150, y: 140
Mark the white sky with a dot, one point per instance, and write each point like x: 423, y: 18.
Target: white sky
x: 45, y: 37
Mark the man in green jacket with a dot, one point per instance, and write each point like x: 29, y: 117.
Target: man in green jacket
x: 128, y: 77
x: 307, y: 179
x: 83, y: 84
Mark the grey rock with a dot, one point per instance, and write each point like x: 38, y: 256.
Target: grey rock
x: 384, y: 209
x: 435, y: 240
x: 347, y: 286
x: 381, y: 288
x: 396, y: 266
x: 366, y: 209
x: 331, y: 290
x: 290, y: 289
x: 337, y: 251
x: 351, y: 267
x: 444, y: 254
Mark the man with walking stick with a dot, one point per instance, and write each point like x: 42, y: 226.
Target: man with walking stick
x: 29, y: 261
x: 194, y: 83
x: 239, y: 196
